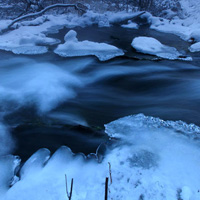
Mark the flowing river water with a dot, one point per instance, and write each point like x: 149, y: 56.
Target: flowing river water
x: 49, y: 101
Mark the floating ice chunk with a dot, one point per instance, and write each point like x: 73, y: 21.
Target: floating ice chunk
x: 26, y: 50
x: 195, y: 47
x: 149, y: 45
x: 131, y: 25
x: 72, y: 47
x: 124, y: 126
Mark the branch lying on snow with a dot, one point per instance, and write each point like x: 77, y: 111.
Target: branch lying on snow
x: 126, y: 19
x: 76, y: 6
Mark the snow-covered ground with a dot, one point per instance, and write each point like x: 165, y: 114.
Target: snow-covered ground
x: 187, y: 27
x: 151, y: 159
x: 29, y: 37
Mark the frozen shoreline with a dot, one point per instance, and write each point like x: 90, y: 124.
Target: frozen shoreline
x: 153, y: 158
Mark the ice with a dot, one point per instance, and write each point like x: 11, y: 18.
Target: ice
x: 186, y: 25
x: 35, y: 163
x: 151, y: 159
x: 49, y: 182
x: 43, y: 85
x: 72, y: 47
x: 195, y: 47
x: 26, y: 40
x: 131, y: 25
x: 152, y: 46
x: 172, y: 158
x: 8, y: 166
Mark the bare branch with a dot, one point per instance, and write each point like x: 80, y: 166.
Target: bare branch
x: 76, y: 6
x: 106, y: 188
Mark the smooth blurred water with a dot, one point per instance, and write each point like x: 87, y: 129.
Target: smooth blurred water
x: 48, y: 101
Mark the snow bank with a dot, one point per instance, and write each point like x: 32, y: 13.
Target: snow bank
x: 149, y: 45
x: 72, y: 47
x: 187, y: 26
x: 26, y: 40
x: 151, y: 159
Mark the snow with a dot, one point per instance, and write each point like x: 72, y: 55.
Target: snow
x: 28, y: 36
x: 131, y: 25
x: 152, y: 46
x: 150, y: 158
x: 4, y: 24
x: 72, y: 47
x: 186, y: 26
x: 26, y: 40
x: 195, y: 47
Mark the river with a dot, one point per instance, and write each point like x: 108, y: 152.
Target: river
x: 49, y: 101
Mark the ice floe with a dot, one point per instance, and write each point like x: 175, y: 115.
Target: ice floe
x: 131, y: 25
x: 72, y: 47
x: 195, y: 47
x: 149, y: 45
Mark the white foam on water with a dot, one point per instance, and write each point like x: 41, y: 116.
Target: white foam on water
x: 42, y: 84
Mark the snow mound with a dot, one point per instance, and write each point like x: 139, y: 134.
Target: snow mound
x: 149, y: 45
x: 72, y: 47
x: 26, y: 50
x: 151, y: 159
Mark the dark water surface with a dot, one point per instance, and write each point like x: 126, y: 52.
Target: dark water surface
x: 49, y: 101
